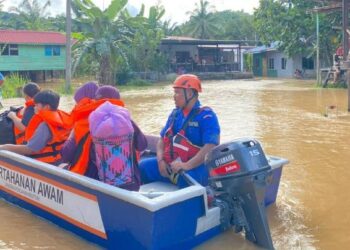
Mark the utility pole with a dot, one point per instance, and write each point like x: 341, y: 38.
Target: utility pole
x: 318, y: 49
x: 68, y: 46
x: 346, y: 63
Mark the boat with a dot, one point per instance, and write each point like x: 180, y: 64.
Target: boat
x: 158, y: 216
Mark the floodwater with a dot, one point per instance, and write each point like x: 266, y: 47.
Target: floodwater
x: 293, y: 120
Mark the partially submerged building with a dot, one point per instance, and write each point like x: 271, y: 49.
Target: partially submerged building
x: 269, y: 61
x: 187, y: 54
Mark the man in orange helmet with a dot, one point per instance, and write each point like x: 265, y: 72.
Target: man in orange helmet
x: 189, y: 134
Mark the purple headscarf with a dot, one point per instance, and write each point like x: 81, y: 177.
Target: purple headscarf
x: 87, y: 90
x: 109, y: 121
x: 107, y: 92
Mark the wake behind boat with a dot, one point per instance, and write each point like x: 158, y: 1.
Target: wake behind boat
x: 159, y: 215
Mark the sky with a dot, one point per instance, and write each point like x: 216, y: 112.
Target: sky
x: 174, y: 9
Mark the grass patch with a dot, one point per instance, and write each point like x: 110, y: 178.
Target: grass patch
x: 138, y: 82
x: 13, y: 85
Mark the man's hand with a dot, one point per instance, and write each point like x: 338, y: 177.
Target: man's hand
x: 163, y: 168
x: 177, y: 165
x: 12, y: 115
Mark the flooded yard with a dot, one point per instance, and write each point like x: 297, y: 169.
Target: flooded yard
x: 294, y: 120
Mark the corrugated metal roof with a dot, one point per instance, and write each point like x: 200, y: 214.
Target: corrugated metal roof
x: 32, y: 37
x: 178, y: 40
x: 272, y: 47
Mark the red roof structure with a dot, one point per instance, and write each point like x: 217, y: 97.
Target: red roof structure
x: 32, y: 37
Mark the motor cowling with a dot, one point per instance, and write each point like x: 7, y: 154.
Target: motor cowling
x: 239, y: 174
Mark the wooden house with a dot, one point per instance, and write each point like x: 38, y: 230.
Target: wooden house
x: 36, y: 54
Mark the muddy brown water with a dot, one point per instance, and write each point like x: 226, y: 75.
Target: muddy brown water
x: 291, y: 120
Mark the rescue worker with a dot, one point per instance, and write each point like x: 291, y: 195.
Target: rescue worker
x: 46, y: 132
x: 22, y: 117
x: 191, y: 131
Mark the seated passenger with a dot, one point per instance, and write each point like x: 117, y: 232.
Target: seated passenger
x: 22, y: 118
x: 112, y: 135
x: 76, y: 151
x: 111, y: 93
x: 190, y: 132
x: 46, y: 132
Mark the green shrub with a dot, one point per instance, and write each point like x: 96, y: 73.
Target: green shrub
x: 63, y: 91
x: 12, y: 86
x: 138, y: 82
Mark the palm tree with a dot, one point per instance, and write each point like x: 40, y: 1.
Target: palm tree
x: 103, y: 36
x: 32, y: 15
x: 170, y: 29
x: 201, y: 24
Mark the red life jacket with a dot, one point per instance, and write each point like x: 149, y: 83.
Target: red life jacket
x: 19, y: 135
x: 82, y: 137
x: 179, y: 145
x: 59, y: 124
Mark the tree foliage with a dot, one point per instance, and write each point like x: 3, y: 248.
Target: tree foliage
x: 224, y: 25
x: 32, y: 14
x: 102, y: 34
x: 234, y: 25
x: 144, y: 52
x: 201, y: 24
x: 294, y: 25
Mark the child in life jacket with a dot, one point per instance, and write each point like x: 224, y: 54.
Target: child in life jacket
x: 22, y: 117
x: 46, y: 132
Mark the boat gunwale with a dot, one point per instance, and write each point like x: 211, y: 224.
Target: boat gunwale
x: 139, y: 199
x: 134, y: 197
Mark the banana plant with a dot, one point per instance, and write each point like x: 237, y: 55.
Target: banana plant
x: 103, y: 35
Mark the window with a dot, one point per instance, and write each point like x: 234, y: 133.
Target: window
x: 283, y: 63
x: 56, y: 50
x: 9, y: 49
x: 271, y: 64
x: 308, y: 63
x: 52, y: 50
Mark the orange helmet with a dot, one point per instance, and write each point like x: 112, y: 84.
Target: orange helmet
x: 188, y: 81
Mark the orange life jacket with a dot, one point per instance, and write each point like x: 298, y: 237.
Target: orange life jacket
x: 178, y: 145
x: 81, y: 130
x: 59, y: 124
x: 19, y: 135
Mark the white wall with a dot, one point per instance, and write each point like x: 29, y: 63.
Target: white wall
x: 289, y: 71
x: 292, y: 64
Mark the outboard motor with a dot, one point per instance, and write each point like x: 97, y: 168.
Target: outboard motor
x: 239, y: 174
